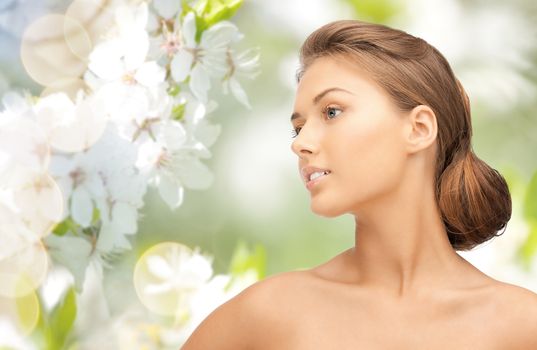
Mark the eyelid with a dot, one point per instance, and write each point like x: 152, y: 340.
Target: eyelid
x: 332, y: 105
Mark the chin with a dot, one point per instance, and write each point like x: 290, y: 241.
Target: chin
x: 327, y: 211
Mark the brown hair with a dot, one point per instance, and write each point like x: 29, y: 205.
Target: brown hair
x: 473, y: 198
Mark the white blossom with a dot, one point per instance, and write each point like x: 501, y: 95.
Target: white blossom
x: 104, y: 177
x: 170, y: 159
x: 148, y: 122
x: 88, y: 161
x: 240, y: 65
x: 71, y: 126
x: 203, y: 60
x: 118, y: 68
x: 178, y: 271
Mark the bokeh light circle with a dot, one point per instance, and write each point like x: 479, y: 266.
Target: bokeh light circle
x: 27, y: 146
x: 73, y: 126
x: 24, y: 269
x: 95, y: 16
x: 77, y: 38
x: 40, y: 204
x: 22, y: 311
x: 158, y: 285
x: 47, y: 55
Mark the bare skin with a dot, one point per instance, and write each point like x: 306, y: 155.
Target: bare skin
x: 315, y: 311
x: 319, y: 309
x: 402, y: 286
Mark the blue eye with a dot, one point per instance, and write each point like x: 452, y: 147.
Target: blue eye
x: 331, y: 112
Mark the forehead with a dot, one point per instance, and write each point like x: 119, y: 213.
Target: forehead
x: 335, y: 72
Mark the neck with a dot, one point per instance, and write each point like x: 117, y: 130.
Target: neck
x: 401, y: 245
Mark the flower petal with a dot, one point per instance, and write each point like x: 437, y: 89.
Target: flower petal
x: 152, y: 22
x: 136, y: 47
x: 200, y: 83
x: 110, y: 239
x: 72, y: 252
x: 172, y: 135
x: 219, y: 35
x: 238, y: 92
x: 194, y: 174
x: 171, y: 191
x: 150, y: 74
x: 181, y: 64
x: 159, y: 267
x: 189, y: 30
x: 81, y: 206
x: 125, y: 217
x: 105, y: 60
x: 197, y: 269
x: 207, y: 133
x: 158, y: 288
x: 167, y: 8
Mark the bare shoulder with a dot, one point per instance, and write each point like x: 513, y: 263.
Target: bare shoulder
x: 516, y: 309
x: 250, y: 319
x: 517, y: 301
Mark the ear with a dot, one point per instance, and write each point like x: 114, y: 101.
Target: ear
x: 421, y: 130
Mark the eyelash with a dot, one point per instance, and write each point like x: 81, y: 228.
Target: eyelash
x: 296, y: 131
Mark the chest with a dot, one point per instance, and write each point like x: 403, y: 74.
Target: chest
x: 386, y: 335
x: 324, y: 323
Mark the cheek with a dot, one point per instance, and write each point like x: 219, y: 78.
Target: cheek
x: 373, y: 161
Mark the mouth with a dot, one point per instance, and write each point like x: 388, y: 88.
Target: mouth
x: 318, y: 174
x: 312, y: 175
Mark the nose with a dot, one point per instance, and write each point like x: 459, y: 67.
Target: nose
x: 305, y: 143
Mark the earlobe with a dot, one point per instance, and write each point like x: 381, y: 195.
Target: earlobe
x: 422, y: 128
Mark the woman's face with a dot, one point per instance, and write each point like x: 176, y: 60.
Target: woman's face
x: 348, y: 125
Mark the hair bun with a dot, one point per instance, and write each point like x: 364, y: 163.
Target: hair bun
x: 474, y: 202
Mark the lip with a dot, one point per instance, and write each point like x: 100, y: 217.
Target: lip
x: 307, y: 171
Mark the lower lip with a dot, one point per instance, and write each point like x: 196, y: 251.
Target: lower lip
x: 312, y: 183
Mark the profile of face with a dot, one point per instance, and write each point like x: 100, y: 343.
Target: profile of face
x: 347, y: 124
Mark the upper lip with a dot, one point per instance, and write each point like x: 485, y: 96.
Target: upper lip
x: 308, y: 170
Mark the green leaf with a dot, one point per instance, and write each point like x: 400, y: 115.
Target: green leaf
x: 243, y: 260
x: 201, y: 7
x: 380, y: 11
x: 61, y: 228
x: 210, y: 12
x: 42, y: 335
x: 174, y: 90
x: 222, y: 10
x: 63, y: 317
x: 178, y: 111
x: 65, y: 226
x: 96, y: 215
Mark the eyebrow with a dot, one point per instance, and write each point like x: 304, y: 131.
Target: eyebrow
x: 319, y: 96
